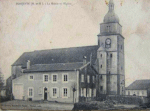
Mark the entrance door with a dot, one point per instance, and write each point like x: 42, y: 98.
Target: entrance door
x: 18, y: 91
x: 45, y: 93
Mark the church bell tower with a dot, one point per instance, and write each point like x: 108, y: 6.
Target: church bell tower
x: 110, y: 55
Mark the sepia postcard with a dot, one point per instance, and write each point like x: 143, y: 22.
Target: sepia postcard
x: 74, y: 54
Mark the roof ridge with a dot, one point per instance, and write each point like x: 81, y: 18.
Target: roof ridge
x: 58, y: 63
x: 142, y: 79
x: 64, y: 55
x: 60, y: 48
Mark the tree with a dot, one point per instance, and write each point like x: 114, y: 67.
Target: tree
x: 1, y: 80
x: 74, y: 88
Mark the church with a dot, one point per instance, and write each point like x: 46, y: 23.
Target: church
x: 74, y: 74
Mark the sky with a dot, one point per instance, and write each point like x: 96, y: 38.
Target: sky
x: 72, y: 23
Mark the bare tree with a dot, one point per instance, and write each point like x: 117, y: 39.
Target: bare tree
x: 1, y: 80
x: 74, y: 88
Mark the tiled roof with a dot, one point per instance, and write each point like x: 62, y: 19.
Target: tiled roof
x: 139, y: 85
x: 54, y: 67
x: 63, y: 55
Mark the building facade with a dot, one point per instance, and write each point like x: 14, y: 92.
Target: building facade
x: 78, y: 72
x: 110, y: 55
x: 139, y: 88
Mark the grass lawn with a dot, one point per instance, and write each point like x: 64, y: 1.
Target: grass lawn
x: 26, y: 105
x: 125, y: 106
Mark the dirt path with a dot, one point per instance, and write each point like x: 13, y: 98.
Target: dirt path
x: 35, y: 105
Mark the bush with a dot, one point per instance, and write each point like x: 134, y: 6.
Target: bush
x: 3, y: 99
x: 94, y: 105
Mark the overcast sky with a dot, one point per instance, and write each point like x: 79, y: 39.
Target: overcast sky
x: 26, y: 28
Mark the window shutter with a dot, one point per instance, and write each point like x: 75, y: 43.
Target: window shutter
x: 61, y: 92
x: 90, y: 93
x: 81, y: 92
x: 68, y: 91
x: 94, y: 92
x: 84, y: 92
x: 51, y: 92
x: 57, y: 92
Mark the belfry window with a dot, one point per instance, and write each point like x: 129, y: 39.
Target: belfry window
x: 110, y: 55
x: 108, y: 28
x: 101, y: 66
x: 121, y: 46
x: 101, y: 55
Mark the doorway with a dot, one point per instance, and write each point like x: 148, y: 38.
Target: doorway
x: 45, y: 93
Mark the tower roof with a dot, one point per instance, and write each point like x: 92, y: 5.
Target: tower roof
x: 111, y: 17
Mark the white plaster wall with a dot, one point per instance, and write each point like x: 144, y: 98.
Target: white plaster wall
x: 136, y: 92
x: 38, y: 83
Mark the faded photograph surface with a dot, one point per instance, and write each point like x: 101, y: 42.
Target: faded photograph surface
x: 74, y: 55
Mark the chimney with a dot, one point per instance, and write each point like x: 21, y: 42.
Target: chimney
x: 28, y: 64
x: 84, y: 60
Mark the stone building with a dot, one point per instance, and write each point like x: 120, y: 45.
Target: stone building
x: 110, y: 55
x: 139, y: 88
x: 91, y: 70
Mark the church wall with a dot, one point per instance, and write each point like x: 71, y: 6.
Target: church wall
x: 121, y: 65
x: 102, y: 82
x: 101, y: 55
x: 113, y: 85
x: 38, y: 86
x: 113, y: 38
x: 113, y: 62
x: 122, y: 85
x: 114, y: 28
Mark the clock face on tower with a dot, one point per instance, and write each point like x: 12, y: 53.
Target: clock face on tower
x: 108, y: 41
